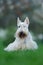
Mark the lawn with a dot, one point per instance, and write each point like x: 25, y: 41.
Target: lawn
x: 25, y: 57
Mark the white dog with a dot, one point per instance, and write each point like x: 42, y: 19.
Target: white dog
x: 23, y: 38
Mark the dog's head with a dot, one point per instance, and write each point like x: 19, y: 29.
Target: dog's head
x: 22, y: 30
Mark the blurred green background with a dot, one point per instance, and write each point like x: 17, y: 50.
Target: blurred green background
x: 9, y: 11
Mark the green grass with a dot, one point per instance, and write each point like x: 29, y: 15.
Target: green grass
x: 26, y: 57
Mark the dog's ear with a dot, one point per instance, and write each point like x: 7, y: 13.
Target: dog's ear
x: 18, y: 21
x: 27, y: 21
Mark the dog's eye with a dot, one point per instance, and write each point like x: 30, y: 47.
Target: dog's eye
x: 19, y: 26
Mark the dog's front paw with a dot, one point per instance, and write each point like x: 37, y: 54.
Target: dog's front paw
x: 7, y: 49
x: 10, y: 47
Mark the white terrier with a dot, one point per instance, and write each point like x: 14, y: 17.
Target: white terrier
x: 23, y: 38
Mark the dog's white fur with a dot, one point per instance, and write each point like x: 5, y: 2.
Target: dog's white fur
x: 24, y: 43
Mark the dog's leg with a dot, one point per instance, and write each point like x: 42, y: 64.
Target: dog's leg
x: 31, y: 45
x: 13, y: 46
x: 23, y: 47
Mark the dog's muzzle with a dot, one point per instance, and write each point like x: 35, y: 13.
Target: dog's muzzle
x: 22, y: 34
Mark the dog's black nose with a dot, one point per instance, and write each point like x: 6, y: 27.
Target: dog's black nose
x: 21, y: 32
